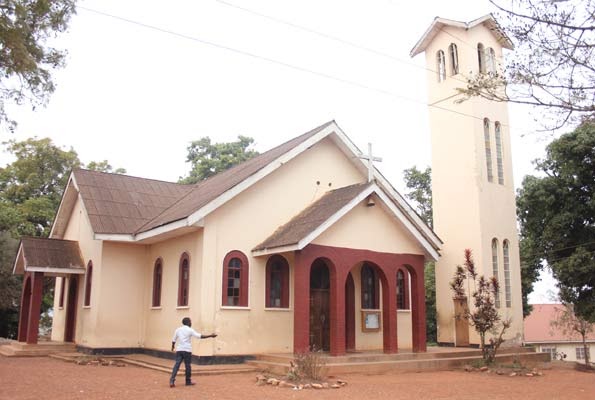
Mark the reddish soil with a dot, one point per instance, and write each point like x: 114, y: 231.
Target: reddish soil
x: 45, y: 378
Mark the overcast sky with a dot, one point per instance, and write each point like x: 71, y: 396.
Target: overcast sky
x: 144, y: 78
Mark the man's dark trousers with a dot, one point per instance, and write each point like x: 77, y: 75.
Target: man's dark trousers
x: 187, y: 357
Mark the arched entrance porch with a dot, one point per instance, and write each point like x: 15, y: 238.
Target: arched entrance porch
x: 340, y: 262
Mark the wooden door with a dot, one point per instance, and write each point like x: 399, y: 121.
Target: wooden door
x: 320, y: 321
x: 461, y: 323
x: 71, y: 304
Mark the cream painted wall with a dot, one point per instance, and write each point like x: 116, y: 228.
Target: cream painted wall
x: 370, y: 228
x: 120, y: 296
x: 160, y: 322
x: 79, y: 228
x: 468, y: 210
x: 567, y: 348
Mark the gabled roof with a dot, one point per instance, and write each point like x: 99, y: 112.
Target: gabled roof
x: 538, y: 327
x: 436, y: 26
x: 302, y: 229
x: 51, y: 256
x: 311, y: 218
x: 123, y: 204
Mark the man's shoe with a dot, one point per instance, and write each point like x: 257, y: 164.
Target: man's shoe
x: 172, y: 384
x: 190, y: 383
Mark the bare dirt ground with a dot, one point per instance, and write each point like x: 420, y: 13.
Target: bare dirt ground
x: 45, y: 378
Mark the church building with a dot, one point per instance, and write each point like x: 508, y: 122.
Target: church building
x: 305, y: 246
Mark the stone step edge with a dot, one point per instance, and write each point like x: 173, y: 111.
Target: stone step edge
x: 398, y: 362
x: 157, y: 367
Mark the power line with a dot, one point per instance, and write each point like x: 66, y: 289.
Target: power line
x: 275, y: 61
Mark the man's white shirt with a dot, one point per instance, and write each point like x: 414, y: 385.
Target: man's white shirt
x: 183, y: 338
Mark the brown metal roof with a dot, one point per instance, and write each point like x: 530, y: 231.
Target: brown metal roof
x: 208, y: 190
x: 42, y: 253
x: 120, y: 203
x: 312, y: 217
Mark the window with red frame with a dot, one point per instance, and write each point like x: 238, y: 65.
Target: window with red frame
x: 235, y: 280
x: 370, y: 295
x: 184, y: 279
x: 277, y: 282
x: 88, y: 283
x: 402, y: 291
x: 157, y: 274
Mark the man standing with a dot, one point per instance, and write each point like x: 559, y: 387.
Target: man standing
x: 182, y: 341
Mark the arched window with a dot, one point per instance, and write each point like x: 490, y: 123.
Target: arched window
x: 488, y: 147
x: 499, y: 161
x: 495, y: 272
x: 157, y: 274
x: 491, y: 60
x: 481, y: 58
x: 62, y: 283
x: 370, y: 295
x: 88, y: 286
x: 184, y: 280
x: 454, y: 59
x: 441, y: 65
x: 402, y: 291
x: 507, y: 292
x: 277, y: 282
x: 235, y: 279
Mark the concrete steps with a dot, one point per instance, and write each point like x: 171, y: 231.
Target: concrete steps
x: 163, y: 365
x: 41, y: 349
x: 377, y: 362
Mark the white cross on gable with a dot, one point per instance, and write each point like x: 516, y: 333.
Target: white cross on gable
x: 370, y: 158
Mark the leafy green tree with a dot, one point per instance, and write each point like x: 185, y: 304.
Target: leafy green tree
x: 419, y: 184
x: 10, y: 287
x: 209, y: 159
x: 104, y: 166
x: 31, y: 187
x: 557, y: 216
x: 26, y: 58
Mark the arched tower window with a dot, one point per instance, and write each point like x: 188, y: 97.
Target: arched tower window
x: 235, y: 279
x: 402, y: 290
x: 277, y: 282
x: 491, y: 60
x: 441, y: 65
x: 481, y: 58
x: 88, y: 283
x: 499, y: 161
x: 507, y: 289
x: 495, y: 271
x: 184, y: 280
x: 157, y: 274
x: 454, y: 59
x: 370, y: 296
x: 488, y: 148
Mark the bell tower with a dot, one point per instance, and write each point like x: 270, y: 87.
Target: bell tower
x: 472, y: 187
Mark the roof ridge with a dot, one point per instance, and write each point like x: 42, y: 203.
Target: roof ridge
x: 130, y: 176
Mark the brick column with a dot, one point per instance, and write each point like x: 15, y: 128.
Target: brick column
x: 337, y: 309
x: 389, y: 311
x: 301, y: 312
x: 35, y: 307
x: 25, y: 306
x: 418, y: 307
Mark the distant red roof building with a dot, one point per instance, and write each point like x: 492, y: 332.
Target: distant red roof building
x: 538, y: 328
